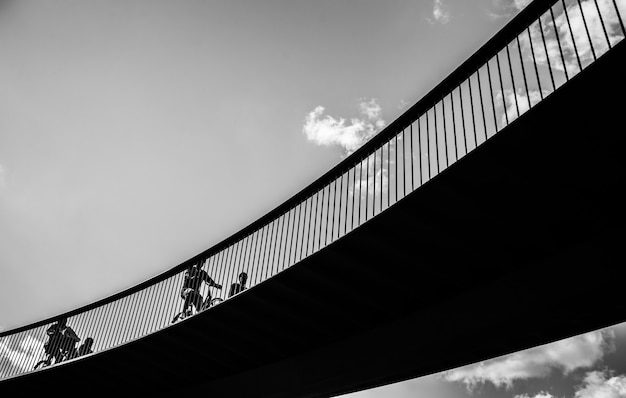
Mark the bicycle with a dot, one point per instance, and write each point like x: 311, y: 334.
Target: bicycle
x: 206, y: 304
x: 65, y: 354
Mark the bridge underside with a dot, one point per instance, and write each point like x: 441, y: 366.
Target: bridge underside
x: 516, y: 245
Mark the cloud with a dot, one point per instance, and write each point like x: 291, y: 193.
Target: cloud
x: 599, y: 384
x: 521, y: 4
x: 441, y: 13
x: 566, y: 355
x: 327, y: 130
x: 20, y: 357
x: 542, y: 394
x: 580, y: 44
x: 522, y: 103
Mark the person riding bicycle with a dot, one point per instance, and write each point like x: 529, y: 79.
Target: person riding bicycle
x: 190, y: 292
x: 61, y: 342
x: 238, y: 287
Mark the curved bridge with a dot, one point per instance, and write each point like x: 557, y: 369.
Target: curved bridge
x: 437, y: 244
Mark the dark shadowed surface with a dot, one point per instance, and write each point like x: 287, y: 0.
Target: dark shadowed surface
x: 528, y: 229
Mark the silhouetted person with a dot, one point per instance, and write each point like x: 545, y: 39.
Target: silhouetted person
x: 85, y: 348
x: 61, y: 342
x: 238, y: 287
x: 190, y: 292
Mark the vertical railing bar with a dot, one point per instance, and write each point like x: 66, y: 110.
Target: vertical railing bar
x: 222, y: 260
x: 428, y: 145
x: 312, y: 224
x: 360, y: 189
x: 521, y: 61
x: 262, y: 246
x: 256, y: 254
x: 267, y: 250
x: 317, y: 202
x: 120, y: 325
x: 106, y: 325
x: 232, y: 270
x: 139, y: 325
x: 508, y: 57
x: 619, y: 18
x: 436, y: 138
x: 389, y: 172
x: 445, y: 131
x: 403, y: 163
x: 308, y: 228
x: 606, y: 35
x: 412, y: 167
x: 280, y: 222
x: 18, y: 362
x: 545, y: 47
x: 493, y: 103
x: 582, y: 14
x: 345, y: 216
x: 506, y: 116
x: 558, y: 41
x: 239, y: 254
x: 532, y: 50
x: 482, y: 107
x: 332, y: 219
x: 280, y: 264
x: 327, y: 213
x: 353, y: 195
x: 134, y: 314
x: 571, y: 32
x: 463, y: 117
x: 367, y: 185
x: 246, y: 254
x: 229, y: 278
x: 173, y: 297
x: 154, y: 302
x: 382, y: 171
x: 272, y: 255
x: 144, y: 312
x: 295, y: 247
x: 374, y: 182
x: 119, y: 316
x: 471, y: 97
x: 456, y: 148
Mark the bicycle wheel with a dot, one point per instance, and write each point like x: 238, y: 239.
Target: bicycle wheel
x: 215, y: 301
x: 41, y: 364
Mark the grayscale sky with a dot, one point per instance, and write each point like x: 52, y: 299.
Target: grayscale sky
x: 135, y: 134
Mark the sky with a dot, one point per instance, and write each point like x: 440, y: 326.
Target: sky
x: 136, y: 134
x: 133, y: 135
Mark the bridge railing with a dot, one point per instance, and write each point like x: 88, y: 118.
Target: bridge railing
x: 544, y: 46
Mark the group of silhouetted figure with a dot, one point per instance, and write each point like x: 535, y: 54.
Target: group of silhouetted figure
x: 194, y: 302
x: 61, y: 344
x: 62, y: 339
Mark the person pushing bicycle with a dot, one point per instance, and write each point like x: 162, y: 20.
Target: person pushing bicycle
x: 61, y: 342
x: 190, y: 292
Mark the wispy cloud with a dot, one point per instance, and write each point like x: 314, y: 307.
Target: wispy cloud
x: 600, y: 384
x: 521, y: 4
x: 441, y: 13
x: 21, y: 356
x: 327, y: 130
x: 542, y: 394
x: 566, y: 355
x: 514, y: 102
x: 580, y: 43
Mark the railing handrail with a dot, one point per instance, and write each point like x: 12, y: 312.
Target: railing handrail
x: 515, y: 26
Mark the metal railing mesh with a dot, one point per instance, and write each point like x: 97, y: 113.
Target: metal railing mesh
x: 542, y: 48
